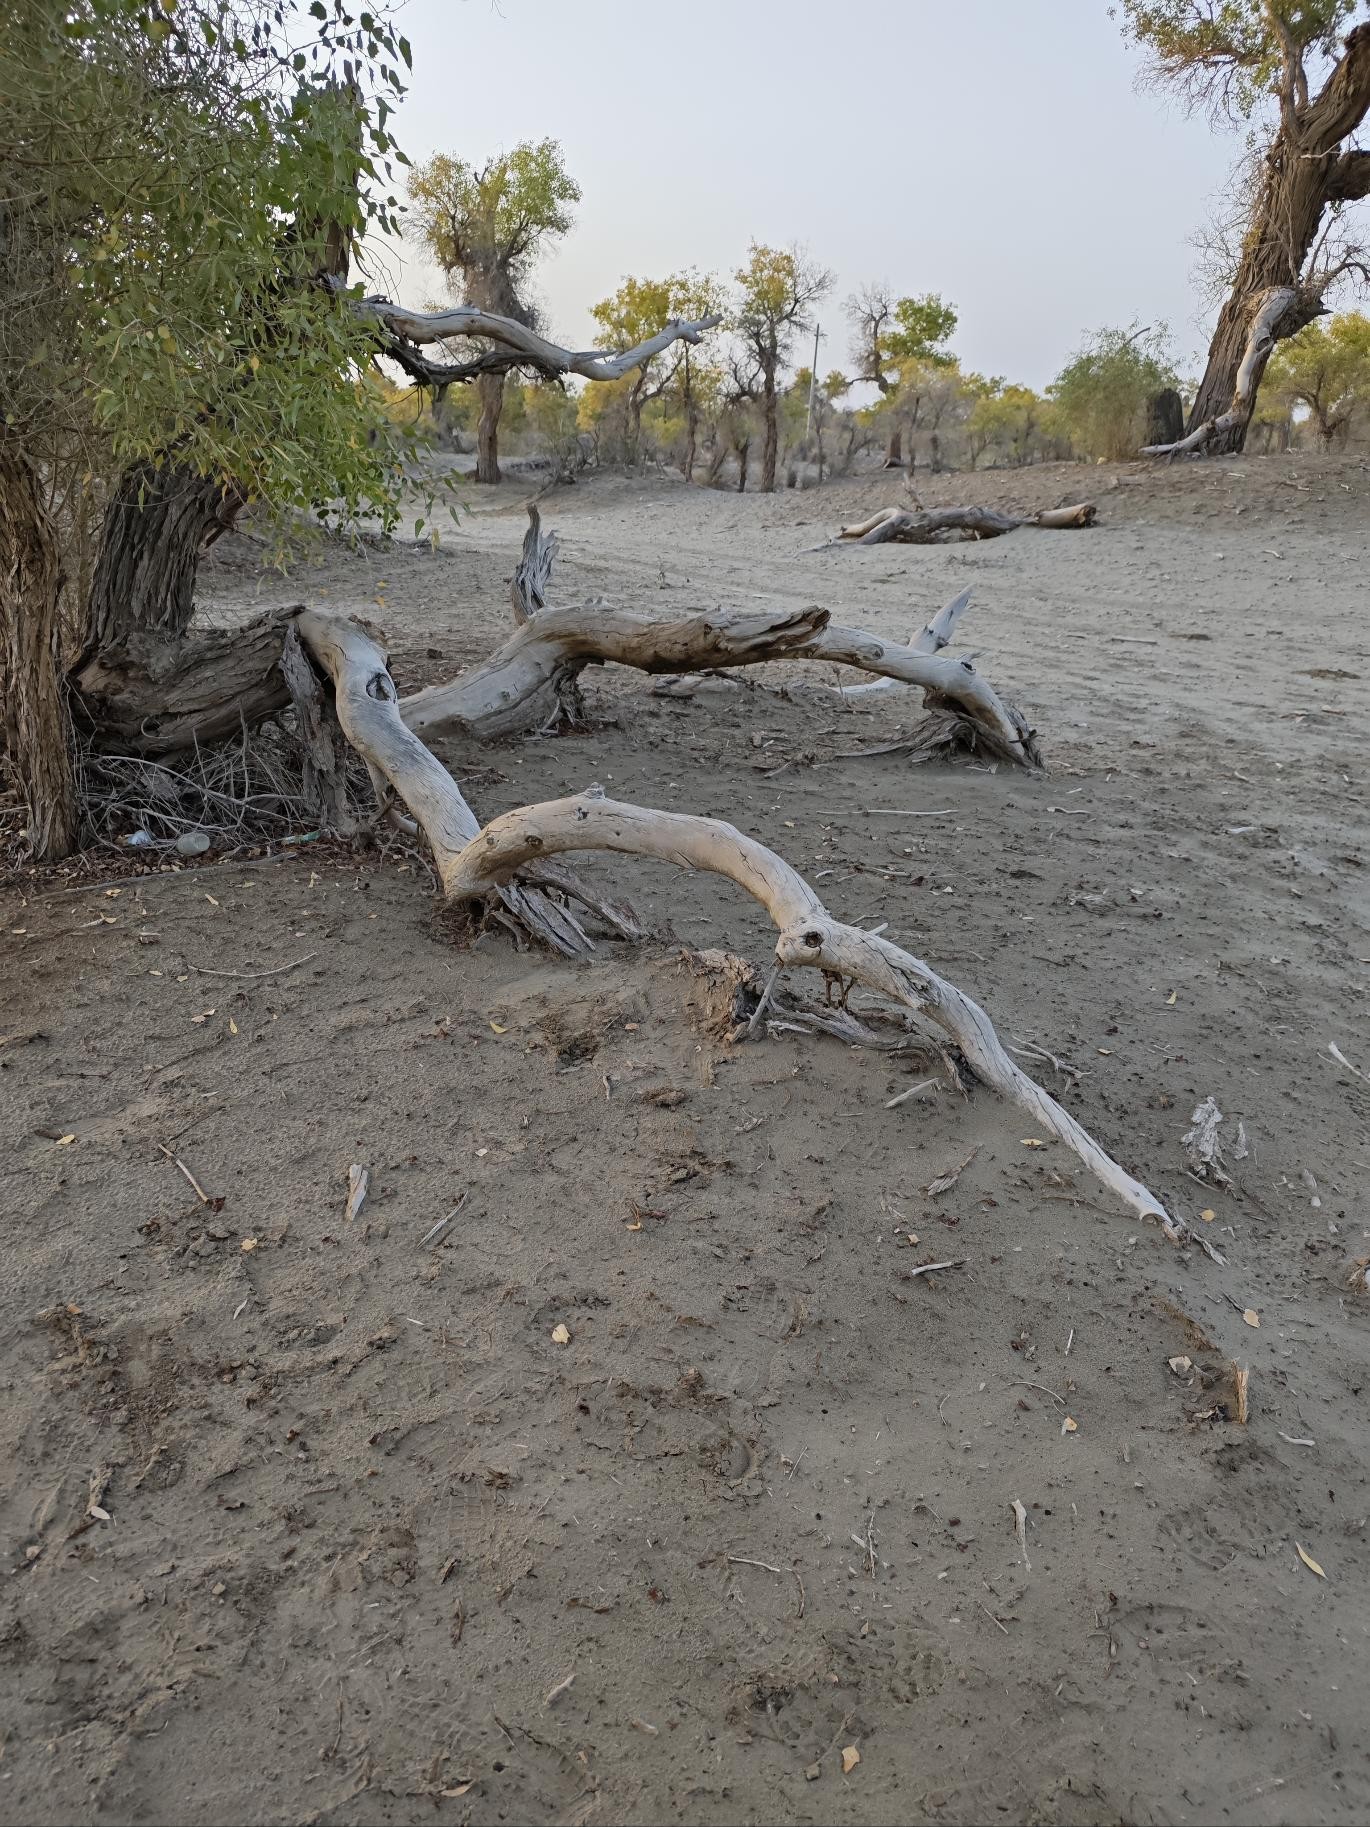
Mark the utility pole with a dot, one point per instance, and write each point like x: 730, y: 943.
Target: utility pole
x: 813, y: 382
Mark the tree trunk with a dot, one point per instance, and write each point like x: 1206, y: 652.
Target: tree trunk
x: 894, y: 449
x: 36, y: 726
x: 490, y: 391
x: 691, y: 436
x: 743, y: 452
x: 156, y: 526
x: 1304, y: 174
x: 770, y: 443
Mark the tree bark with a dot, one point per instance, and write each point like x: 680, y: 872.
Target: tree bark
x: 770, y: 440
x: 490, y: 391
x: 156, y: 694
x: 894, y: 448
x: 37, y: 730
x: 743, y: 453
x: 156, y: 526
x: 1303, y: 175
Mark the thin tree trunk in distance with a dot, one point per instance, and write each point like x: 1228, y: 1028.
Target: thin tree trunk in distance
x: 490, y: 391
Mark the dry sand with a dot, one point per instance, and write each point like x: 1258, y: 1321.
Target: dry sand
x: 369, y: 1545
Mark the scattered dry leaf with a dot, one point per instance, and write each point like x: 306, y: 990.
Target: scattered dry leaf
x: 851, y: 1757
x: 495, y: 1028
x: 1208, y: 1214
x: 1033, y: 1142
x: 248, y: 1243
x: 1181, y: 1366
x: 1170, y: 1000
x: 65, y: 1141
x: 1308, y: 1561
x: 460, y: 1789
x: 560, y: 1336
x: 1251, y: 1317
x: 101, y: 1514
x: 1070, y: 1427
x: 232, y: 1025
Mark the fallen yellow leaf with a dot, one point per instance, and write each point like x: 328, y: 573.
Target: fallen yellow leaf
x: 560, y: 1336
x: 248, y: 1243
x: 1251, y: 1317
x: 1170, y: 1000
x: 64, y: 1141
x: 497, y: 1028
x: 1308, y: 1561
x: 1033, y: 1142
x: 1070, y: 1427
x: 851, y: 1757
x: 232, y: 1025
x: 1208, y: 1214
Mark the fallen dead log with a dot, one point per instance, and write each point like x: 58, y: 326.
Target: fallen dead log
x: 514, y: 690
x: 809, y: 935
x: 931, y: 526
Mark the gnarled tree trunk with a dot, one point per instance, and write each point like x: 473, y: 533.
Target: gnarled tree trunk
x: 894, y: 448
x: 158, y: 522
x: 490, y: 392
x: 1304, y: 175
x: 37, y: 745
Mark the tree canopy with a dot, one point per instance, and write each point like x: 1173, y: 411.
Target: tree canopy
x: 1326, y: 368
x: 1229, y: 56
x: 178, y: 186
x: 487, y: 224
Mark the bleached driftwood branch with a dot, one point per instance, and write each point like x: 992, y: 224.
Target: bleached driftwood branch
x: 522, y: 345
x: 511, y: 691
x: 929, y: 526
x: 1261, y: 338
x: 366, y: 703
x: 808, y: 935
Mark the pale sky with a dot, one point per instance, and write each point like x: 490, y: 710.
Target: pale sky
x: 995, y: 151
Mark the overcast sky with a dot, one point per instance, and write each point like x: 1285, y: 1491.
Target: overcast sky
x: 995, y: 151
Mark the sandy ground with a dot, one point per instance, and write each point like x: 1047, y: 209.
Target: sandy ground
x: 368, y: 1545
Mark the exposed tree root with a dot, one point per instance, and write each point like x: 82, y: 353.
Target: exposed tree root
x: 932, y: 526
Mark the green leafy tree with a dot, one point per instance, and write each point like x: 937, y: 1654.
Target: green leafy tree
x: 777, y: 290
x: 1102, y: 393
x: 485, y: 227
x: 1325, y: 368
x: 181, y: 188
x: 1011, y: 420
x: 1281, y: 69
x: 639, y: 310
x: 895, y: 340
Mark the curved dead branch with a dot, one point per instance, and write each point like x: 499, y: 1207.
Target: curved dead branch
x: 366, y: 703
x: 516, y: 346
x: 808, y: 935
x: 513, y: 689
